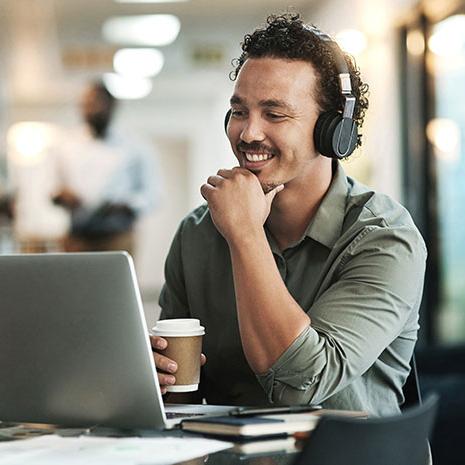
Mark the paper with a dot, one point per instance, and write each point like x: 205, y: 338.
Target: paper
x: 85, y: 450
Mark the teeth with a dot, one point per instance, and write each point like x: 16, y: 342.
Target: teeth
x: 255, y: 157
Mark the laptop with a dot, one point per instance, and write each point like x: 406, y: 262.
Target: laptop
x: 74, y: 345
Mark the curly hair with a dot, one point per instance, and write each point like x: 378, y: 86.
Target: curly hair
x: 287, y: 36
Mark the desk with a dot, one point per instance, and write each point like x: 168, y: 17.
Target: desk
x: 231, y: 456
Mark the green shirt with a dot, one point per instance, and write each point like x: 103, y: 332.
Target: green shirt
x: 358, y: 272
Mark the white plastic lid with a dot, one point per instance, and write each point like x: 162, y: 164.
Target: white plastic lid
x: 178, y: 327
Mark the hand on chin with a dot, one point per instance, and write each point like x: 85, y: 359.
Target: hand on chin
x: 237, y: 202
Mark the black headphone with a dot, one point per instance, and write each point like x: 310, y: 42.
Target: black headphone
x: 335, y: 134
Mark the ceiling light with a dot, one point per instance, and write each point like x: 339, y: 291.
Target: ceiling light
x: 448, y: 37
x: 149, y: 30
x: 138, y: 62
x: 351, y: 41
x: 130, y: 88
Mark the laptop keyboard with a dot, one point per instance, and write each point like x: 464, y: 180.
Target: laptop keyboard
x: 172, y: 415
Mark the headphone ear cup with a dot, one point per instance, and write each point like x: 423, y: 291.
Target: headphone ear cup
x: 323, y: 132
x: 226, y: 121
x: 344, y: 138
x: 328, y: 145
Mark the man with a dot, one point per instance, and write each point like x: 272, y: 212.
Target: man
x: 107, y: 180
x: 307, y: 282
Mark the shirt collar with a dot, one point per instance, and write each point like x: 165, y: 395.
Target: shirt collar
x: 326, y: 225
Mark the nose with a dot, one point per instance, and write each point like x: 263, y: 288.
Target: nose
x: 252, y: 130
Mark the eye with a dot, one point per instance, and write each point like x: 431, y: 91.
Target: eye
x: 275, y: 116
x: 235, y: 113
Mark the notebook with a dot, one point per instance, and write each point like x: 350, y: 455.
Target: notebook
x: 256, y: 426
x: 243, y: 427
x: 74, y: 346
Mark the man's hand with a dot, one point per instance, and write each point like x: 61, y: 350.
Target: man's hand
x: 124, y: 209
x: 166, y: 368
x: 237, y: 203
x: 66, y: 198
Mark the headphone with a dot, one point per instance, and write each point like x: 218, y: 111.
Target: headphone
x: 335, y: 134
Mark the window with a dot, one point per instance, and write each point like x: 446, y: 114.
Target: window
x: 433, y: 103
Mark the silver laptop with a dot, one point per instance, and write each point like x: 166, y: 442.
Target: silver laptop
x: 74, y: 346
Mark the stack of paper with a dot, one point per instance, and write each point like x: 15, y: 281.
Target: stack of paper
x: 56, y: 450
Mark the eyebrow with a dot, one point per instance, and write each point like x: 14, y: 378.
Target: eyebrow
x: 269, y: 103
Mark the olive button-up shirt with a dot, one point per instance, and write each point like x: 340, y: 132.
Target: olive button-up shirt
x: 357, y: 271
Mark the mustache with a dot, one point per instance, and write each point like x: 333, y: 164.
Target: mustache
x: 256, y: 146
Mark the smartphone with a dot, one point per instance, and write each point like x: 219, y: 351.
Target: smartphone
x: 251, y: 411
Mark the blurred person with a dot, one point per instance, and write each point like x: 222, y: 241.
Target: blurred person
x: 107, y: 180
x: 307, y: 282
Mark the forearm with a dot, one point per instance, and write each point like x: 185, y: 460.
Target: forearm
x: 269, y: 317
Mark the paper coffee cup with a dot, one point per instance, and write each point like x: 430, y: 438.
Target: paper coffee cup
x: 184, y: 337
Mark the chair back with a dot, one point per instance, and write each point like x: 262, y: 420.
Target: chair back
x: 411, y: 389
x: 395, y: 440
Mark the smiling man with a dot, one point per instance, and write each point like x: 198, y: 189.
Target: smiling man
x: 308, y: 283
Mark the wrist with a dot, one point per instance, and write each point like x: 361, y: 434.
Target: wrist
x: 246, y: 239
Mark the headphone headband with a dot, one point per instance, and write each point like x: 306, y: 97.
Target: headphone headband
x: 342, y: 68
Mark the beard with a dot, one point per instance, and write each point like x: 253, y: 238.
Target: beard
x: 268, y: 186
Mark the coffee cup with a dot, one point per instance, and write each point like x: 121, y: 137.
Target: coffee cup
x: 184, y: 337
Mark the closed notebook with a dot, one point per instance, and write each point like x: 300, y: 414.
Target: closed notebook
x: 252, y: 426
x: 255, y: 446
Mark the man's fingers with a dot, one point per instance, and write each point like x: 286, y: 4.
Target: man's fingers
x: 215, y: 180
x: 164, y: 363
x: 271, y: 195
x: 224, y: 173
x: 166, y: 380
x: 158, y: 342
x: 203, y: 359
x: 206, y: 190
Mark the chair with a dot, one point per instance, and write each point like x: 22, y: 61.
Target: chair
x: 396, y: 440
x: 442, y: 370
x: 411, y: 389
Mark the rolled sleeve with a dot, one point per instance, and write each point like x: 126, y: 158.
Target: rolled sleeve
x: 288, y: 380
x: 373, y: 299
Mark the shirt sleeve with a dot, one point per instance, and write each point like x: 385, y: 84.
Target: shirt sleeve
x: 377, y: 289
x: 173, y: 297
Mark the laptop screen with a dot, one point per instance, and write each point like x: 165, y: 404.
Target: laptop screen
x: 74, y: 347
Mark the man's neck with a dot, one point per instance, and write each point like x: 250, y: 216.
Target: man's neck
x: 297, y: 204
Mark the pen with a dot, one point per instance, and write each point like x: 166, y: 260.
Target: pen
x: 250, y: 411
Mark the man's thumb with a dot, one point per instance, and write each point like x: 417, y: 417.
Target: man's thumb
x: 271, y: 195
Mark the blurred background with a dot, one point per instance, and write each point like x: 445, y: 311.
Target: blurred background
x: 175, y: 94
